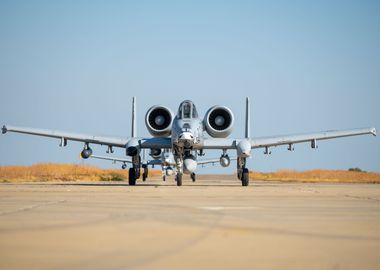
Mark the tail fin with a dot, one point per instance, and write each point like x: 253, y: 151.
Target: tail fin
x: 247, y: 119
x: 133, y: 129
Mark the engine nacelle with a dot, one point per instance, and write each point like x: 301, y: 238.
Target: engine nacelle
x: 158, y: 121
x: 219, y: 121
x: 155, y: 153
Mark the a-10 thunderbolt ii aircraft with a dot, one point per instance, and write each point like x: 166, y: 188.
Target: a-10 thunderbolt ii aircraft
x: 166, y: 161
x: 185, y: 135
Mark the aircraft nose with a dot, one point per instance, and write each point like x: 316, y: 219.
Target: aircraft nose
x: 186, y: 136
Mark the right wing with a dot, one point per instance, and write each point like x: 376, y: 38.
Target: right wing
x: 68, y: 136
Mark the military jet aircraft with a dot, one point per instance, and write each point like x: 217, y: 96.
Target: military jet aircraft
x: 185, y: 135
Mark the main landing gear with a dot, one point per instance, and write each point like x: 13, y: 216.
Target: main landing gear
x: 193, y: 177
x: 132, y: 176
x: 134, y: 172
x: 178, y: 178
x: 242, y: 172
x: 145, y: 173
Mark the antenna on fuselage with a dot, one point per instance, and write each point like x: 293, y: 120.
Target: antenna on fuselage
x: 247, y: 119
x: 133, y: 129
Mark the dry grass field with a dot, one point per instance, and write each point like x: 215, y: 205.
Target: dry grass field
x: 311, y: 176
x: 73, y: 172
x: 63, y: 172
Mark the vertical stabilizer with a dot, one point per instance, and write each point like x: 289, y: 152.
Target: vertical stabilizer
x: 247, y: 119
x: 133, y: 129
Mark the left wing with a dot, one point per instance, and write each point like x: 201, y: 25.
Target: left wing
x: 310, y: 137
x: 262, y: 142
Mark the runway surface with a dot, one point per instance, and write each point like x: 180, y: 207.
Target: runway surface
x: 214, y: 224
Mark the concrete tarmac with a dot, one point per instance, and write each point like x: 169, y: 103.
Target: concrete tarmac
x: 212, y: 224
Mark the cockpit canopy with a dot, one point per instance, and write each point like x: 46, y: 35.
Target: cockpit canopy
x: 187, y: 110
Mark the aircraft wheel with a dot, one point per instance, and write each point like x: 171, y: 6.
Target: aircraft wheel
x: 145, y: 174
x: 178, y: 178
x: 164, y: 177
x: 132, y: 177
x: 245, y: 177
x: 193, y: 177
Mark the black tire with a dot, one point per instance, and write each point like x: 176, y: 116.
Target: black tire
x: 132, y: 177
x: 193, y: 177
x: 164, y: 177
x: 145, y: 174
x: 245, y: 177
x: 178, y: 178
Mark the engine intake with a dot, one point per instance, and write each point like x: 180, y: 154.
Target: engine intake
x: 219, y: 121
x: 159, y: 120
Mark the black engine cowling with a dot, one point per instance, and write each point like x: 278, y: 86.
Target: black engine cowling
x: 159, y: 121
x: 219, y: 121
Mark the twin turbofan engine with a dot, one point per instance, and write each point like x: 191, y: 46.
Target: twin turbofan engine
x: 218, y: 121
x: 159, y: 121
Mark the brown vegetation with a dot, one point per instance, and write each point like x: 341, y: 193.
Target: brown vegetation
x: 63, y: 172
x: 73, y: 172
x: 318, y: 176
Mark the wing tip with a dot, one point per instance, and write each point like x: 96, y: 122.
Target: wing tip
x: 4, y: 129
x: 373, y: 131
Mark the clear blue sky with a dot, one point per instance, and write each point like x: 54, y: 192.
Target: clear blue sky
x: 307, y: 66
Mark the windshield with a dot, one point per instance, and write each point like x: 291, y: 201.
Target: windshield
x: 187, y: 110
